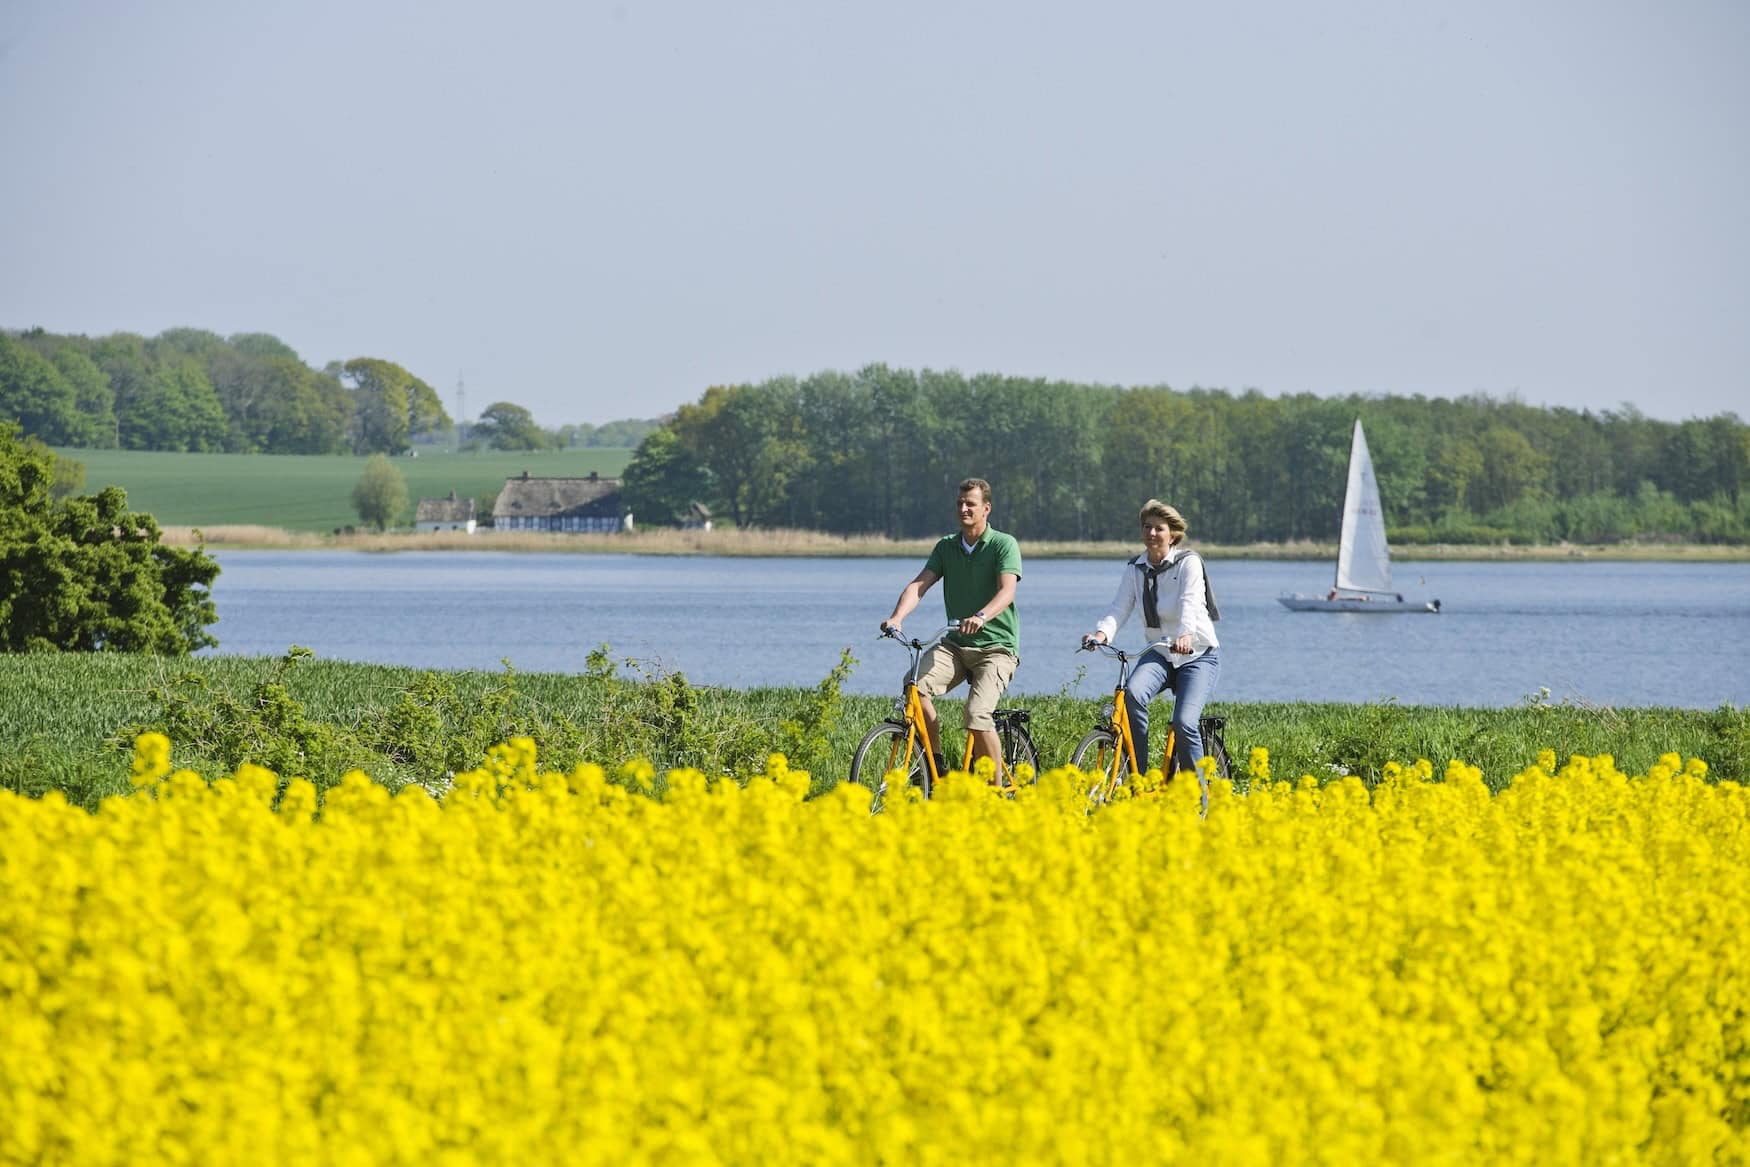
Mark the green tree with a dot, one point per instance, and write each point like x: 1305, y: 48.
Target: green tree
x: 380, y: 405
x: 314, y: 416
x: 175, y: 409
x: 390, y: 406
x: 261, y: 346
x: 748, y: 438
x: 623, y: 434
x: 1513, y: 469
x: 93, y: 398
x: 122, y: 358
x: 381, y: 494
x: 1457, y: 464
x: 87, y: 574
x: 35, y: 395
x: 506, y: 426
x: 93, y: 423
x: 663, y: 480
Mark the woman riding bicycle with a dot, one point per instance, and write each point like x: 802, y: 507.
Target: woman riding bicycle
x: 1168, y: 580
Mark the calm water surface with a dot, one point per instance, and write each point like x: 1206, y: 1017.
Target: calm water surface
x: 1606, y: 633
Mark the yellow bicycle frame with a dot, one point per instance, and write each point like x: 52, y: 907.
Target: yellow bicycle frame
x: 917, y: 733
x: 1112, y: 775
x: 917, y: 736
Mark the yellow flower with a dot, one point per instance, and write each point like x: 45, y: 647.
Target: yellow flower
x: 697, y: 967
x: 151, y: 759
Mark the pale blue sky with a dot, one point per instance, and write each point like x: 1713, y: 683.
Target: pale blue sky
x: 599, y: 209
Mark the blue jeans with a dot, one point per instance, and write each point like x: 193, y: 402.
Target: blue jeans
x: 1192, y: 684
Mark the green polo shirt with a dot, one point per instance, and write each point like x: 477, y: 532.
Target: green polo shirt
x: 970, y: 580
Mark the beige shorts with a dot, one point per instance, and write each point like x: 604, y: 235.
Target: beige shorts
x: 989, y: 669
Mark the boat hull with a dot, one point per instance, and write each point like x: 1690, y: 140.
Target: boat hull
x: 1362, y: 604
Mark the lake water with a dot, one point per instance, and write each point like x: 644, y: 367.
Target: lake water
x: 1604, y: 633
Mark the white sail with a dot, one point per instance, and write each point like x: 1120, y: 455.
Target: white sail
x: 1363, y: 559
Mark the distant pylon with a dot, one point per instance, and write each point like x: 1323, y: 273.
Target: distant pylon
x: 461, y: 410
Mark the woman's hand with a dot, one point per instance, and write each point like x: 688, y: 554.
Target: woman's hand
x: 1181, y: 645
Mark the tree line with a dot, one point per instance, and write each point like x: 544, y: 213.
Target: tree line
x: 880, y: 451
x: 189, y: 390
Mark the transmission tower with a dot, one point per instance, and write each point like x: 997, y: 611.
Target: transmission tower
x: 461, y: 411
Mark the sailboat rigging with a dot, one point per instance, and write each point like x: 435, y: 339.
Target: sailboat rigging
x: 1363, y: 580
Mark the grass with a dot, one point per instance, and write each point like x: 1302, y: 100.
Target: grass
x: 63, y: 720
x: 307, y: 494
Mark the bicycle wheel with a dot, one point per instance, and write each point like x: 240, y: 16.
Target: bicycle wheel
x: 1217, y: 749
x: 1213, y: 747
x: 882, y: 750
x: 1097, y: 754
x: 1019, y: 750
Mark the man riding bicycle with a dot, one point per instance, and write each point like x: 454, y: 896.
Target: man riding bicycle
x: 979, y: 567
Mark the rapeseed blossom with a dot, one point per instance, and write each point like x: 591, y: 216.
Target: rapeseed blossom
x: 564, y: 968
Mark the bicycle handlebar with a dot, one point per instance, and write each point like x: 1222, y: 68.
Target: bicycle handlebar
x: 890, y: 633
x: 1105, y: 647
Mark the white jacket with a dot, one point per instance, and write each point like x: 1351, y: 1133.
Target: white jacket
x: 1181, y: 595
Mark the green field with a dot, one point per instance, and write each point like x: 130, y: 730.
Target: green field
x: 64, y: 721
x: 307, y: 493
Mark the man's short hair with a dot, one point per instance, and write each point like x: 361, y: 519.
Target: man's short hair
x: 1154, y: 508
x: 977, y: 484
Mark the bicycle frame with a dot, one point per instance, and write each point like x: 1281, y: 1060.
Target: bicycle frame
x: 1112, y: 775
x: 1125, y: 750
x: 917, y: 726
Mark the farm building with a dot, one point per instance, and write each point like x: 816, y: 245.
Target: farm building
x: 561, y: 504
x: 444, y: 514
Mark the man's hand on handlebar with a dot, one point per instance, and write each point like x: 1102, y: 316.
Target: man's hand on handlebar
x: 890, y: 628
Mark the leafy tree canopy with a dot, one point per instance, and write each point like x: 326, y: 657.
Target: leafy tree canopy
x: 391, y: 405
x: 381, y: 494
x: 86, y: 574
x: 662, y: 481
x: 505, y: 426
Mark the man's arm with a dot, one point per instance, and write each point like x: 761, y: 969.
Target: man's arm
x: 1005, y: 596
x: 909, y: 597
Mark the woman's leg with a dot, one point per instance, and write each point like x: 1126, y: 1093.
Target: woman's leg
x: 1193, y: 684
x: 1147, y: 679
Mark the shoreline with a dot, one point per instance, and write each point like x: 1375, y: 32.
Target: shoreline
x: 817, y: 544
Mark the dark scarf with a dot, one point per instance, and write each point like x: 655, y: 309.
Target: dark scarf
x: 1151, y: 611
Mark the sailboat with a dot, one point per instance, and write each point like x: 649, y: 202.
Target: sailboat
x: 1363, y: 558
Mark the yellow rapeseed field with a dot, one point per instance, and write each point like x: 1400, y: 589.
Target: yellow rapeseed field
x: 546, y: 968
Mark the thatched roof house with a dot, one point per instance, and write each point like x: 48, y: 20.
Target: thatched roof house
x: 560, y: 504
x: 444, y: 514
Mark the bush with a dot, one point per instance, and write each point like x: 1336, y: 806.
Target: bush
x: 86, y: 574
x: 381, y: 493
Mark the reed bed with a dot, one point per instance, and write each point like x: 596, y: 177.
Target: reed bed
x: 779, y: 543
